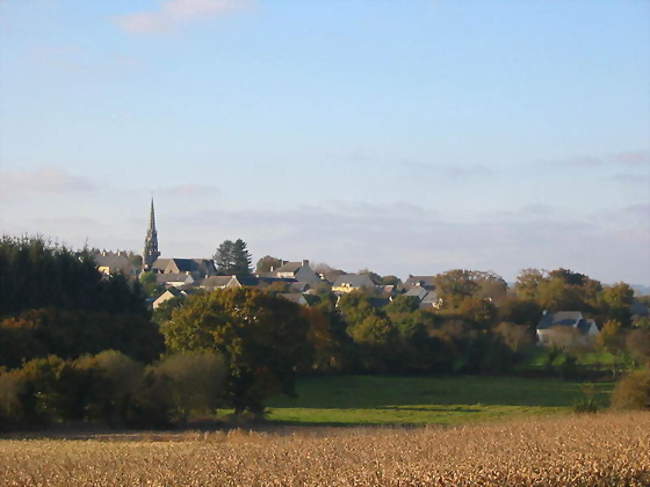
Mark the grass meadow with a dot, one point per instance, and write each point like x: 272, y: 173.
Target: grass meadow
x: 592, y: 450
x: 391, y: 400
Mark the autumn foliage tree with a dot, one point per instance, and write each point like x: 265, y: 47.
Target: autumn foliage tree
x: 262, y: 339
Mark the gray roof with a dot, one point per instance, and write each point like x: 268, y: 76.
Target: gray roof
x: 431, y: 297
x: 203, y: 266
x: 289, y: 267
x: 165, y: 278
x: 114, y: 262
x: 215, y: 281
x: 299, y: 286
x: 354, y: 280
x: 417, y: 291
x: 565, y: 318
x: 160, y: 264
x: 424, y: 281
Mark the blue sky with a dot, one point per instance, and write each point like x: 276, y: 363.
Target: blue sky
x: 407, y: 137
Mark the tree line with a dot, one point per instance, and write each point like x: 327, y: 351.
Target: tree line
x: 76, y: 345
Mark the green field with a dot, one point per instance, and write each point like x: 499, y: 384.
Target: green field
x: 385, y: 400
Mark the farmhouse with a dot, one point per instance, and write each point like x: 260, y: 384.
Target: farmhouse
x: 352, y: 282
x: 566, y: 326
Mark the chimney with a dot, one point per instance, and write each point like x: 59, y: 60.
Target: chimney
x: 305, y: 263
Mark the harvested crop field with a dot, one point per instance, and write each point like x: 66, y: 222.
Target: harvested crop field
x: 589, y: 450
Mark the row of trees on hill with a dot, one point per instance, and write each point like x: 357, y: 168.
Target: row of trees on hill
x: 249, y: 343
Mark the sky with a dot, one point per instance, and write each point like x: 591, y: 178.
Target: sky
x: 405, y: 137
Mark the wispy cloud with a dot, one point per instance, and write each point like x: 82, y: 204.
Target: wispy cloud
x: 585, y: 161
x: 632, y: 158
x: 43, y: 180
x: 186, y: 190
x: 449, y: 171
x: 174, y: 13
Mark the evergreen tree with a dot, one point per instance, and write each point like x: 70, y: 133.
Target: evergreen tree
x: 241, y: 259
x: 233, y: 258
x: 224, y: 258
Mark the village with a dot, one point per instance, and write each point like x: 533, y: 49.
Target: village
x: 297, y: 281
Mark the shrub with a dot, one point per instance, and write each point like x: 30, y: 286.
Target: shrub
x: 195, y: 382
x: 587, y: 402
x: 116, y: 379
x: 633, y: 391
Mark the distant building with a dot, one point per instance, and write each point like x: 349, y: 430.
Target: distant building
x: 110, y: 263
x: 426, y: 282
x: 151, y: 252
x: 170, y: 293
x: 428, y: 299
x: 352, y: 282
x: 568, y: 326
x: 298, y: 271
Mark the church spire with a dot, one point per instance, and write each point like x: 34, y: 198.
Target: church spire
x: 151, y: 252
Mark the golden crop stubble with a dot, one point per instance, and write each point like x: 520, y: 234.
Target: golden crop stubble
x: 595, y: 450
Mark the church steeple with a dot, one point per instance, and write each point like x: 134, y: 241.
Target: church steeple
x: 151, y: 252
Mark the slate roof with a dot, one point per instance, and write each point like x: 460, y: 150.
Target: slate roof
x: 203, y: 266
x: 214, y: 282
x: 354, y: 280
x: 159, y: 264
x: 299, y: 287
x: 114, y: 262
x: 289, y: 267
x: 175, y: 277
x: 573, y: 319
x: 417, y: 291
x: 423, y: 281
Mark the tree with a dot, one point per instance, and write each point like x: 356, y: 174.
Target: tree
x: 266, y: 263
x: 331, y: 347
x: 637, y: 343
x: 481, y: 312
x: 233, y: 258
x: 455, y: 285
x: 556, y: 295
x: 150, y: 284
x: 390, y: 280
x: 516, y: 337
x: 520, y: 311
x: 617, y: 300
x: 610, y: 337
x: 241, y: 259
x: 262, y: 339
x: 633, y: 391
x: 528, y: 282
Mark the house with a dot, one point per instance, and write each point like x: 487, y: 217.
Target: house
x: 299, y: 271
x: 552, y: 328
x: 196, y: 267
x: 110, y: 263
x: 159, y: 265
x: 426, y: 282
x: 174, y: 280
x: 428, y: 299
x: 352, y: 282
x: 218, y: 282
x: 170, y: 293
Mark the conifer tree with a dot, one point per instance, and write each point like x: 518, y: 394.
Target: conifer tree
x: 233, y: 258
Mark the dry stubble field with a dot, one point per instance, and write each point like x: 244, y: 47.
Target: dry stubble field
x: 589, y: 450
